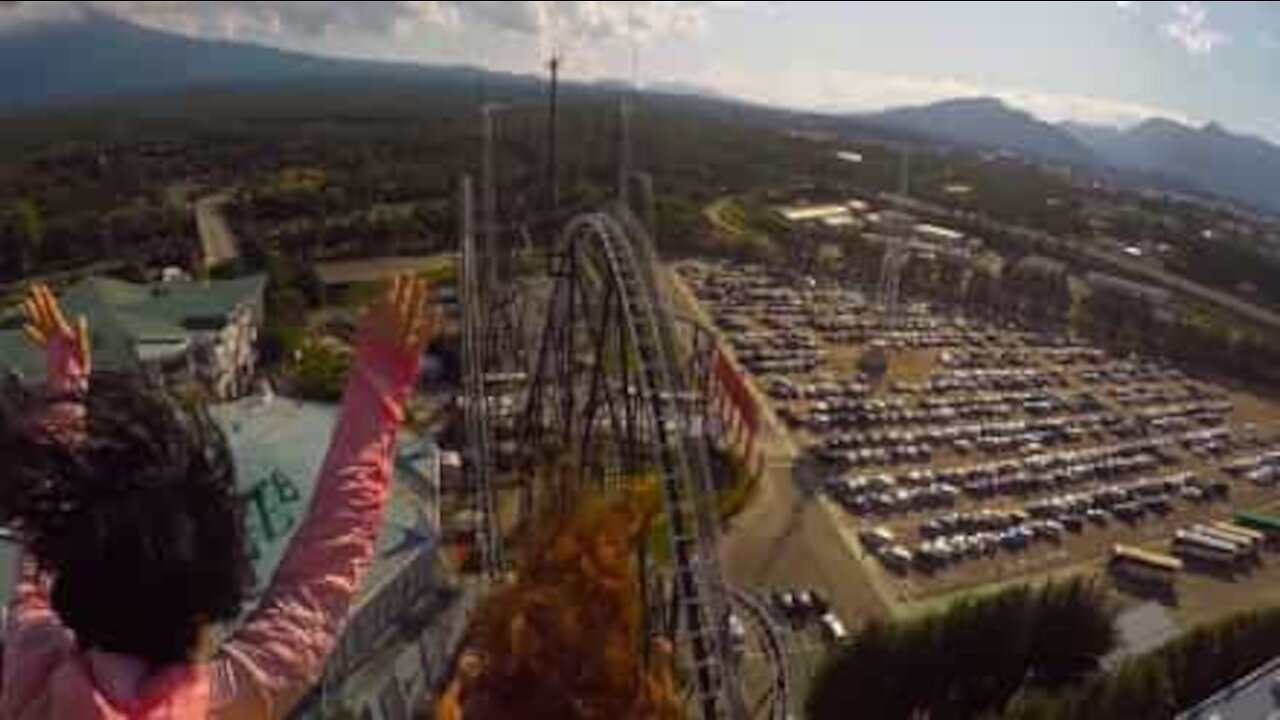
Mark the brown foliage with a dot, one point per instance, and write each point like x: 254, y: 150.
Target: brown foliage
x: 564, y: 641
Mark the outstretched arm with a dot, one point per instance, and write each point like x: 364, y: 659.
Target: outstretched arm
x: 276, y: 656
x: 35, y: 638
x: 67, y: 372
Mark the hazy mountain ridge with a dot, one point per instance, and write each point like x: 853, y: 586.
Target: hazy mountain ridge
x: 99, y: 58
x: 1209, y: 159
x: 987, y: 123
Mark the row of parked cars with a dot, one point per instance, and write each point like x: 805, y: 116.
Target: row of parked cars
x: 784, y: 388
x: 1121, y: 372
x: 1003, y: 378
x: 917, y: 444
x: 927, y: 489
x: 1262, y: 468
x: 973, y: 358
x: 956, y: 536
x: 1069, y: 355
x: 856, y: 411
x: 1131, y: 500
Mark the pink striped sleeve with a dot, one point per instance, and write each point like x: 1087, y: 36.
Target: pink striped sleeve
x: 279, y: 652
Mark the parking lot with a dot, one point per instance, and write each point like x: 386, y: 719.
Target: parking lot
x: 961, y: 454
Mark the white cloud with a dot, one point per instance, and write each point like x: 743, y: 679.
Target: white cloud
x: 310, y: 19
x: 1190, y: 28
x: 585, y: 31
x: 1128, y: 5
x: 1084, y: 108
x: 574, y: 27
x: 588, y: 34
x: 554, y: 20
x: 18, y: 14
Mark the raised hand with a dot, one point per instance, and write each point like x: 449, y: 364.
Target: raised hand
x: 403, y: 315
x: 45, y: 322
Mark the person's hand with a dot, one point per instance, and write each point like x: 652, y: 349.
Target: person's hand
x: 403, y: 316
x: 45, y: 322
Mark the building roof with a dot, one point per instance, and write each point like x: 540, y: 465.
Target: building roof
x: 1255, y: 696
x: 278, y: 445
x: 363, y: 270
x: 802, y: 213
x: 1114, y: 283
x: 129, y: 321
x: 1039, y: 264
x: 937, y: 232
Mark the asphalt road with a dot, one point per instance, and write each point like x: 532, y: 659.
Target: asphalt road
x: 787, y: 535
x: 787, y: 538
x: 217, y: 242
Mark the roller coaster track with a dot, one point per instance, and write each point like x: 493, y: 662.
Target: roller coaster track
x: 690, y: 523
x: 606, y: 290
x: 777, y: 695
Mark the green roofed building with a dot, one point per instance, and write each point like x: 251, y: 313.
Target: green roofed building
x: 201, y: 332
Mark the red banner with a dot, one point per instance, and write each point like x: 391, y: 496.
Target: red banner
x: 739, y: 413
x: 734, y: 387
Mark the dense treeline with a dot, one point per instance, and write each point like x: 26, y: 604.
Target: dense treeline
x: 78, y: 186
x: 969, y: 659
x: 389, y: 163
x: 1174, y: 677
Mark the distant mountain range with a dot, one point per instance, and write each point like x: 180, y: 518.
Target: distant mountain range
x: 987, y: 123
x: 99, y: 58
x: 1209, y: 159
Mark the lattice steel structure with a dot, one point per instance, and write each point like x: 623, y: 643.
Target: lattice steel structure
x: 616, y: 395
x: 896, y: 256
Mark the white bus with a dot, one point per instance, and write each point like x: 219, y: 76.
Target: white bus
x: 1187, y: 544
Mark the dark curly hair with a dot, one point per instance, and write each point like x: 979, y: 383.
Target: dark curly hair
x: 132, y: 511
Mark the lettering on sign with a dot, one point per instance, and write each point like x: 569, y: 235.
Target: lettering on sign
x: 270, y: 510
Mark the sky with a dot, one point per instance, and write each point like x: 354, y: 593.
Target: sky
x: 1099, y: 62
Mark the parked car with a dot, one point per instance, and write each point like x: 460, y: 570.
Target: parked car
x: 833, y: 630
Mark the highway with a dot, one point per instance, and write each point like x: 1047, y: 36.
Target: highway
x: 217, y: 243
x: 1081, y: 248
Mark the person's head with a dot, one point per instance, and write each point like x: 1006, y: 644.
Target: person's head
x: 131, y: 508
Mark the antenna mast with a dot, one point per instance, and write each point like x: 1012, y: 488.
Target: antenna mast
x: 553, y: 174
x: 489, y: 195
x: 904, y: 173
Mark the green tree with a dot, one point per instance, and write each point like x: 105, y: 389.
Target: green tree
x: 1070, y: 634
x: 970, y: 659
x: 30, y: 227
x: 1139, y: 690
x: 1035, y: 705
x: 321, y: 372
